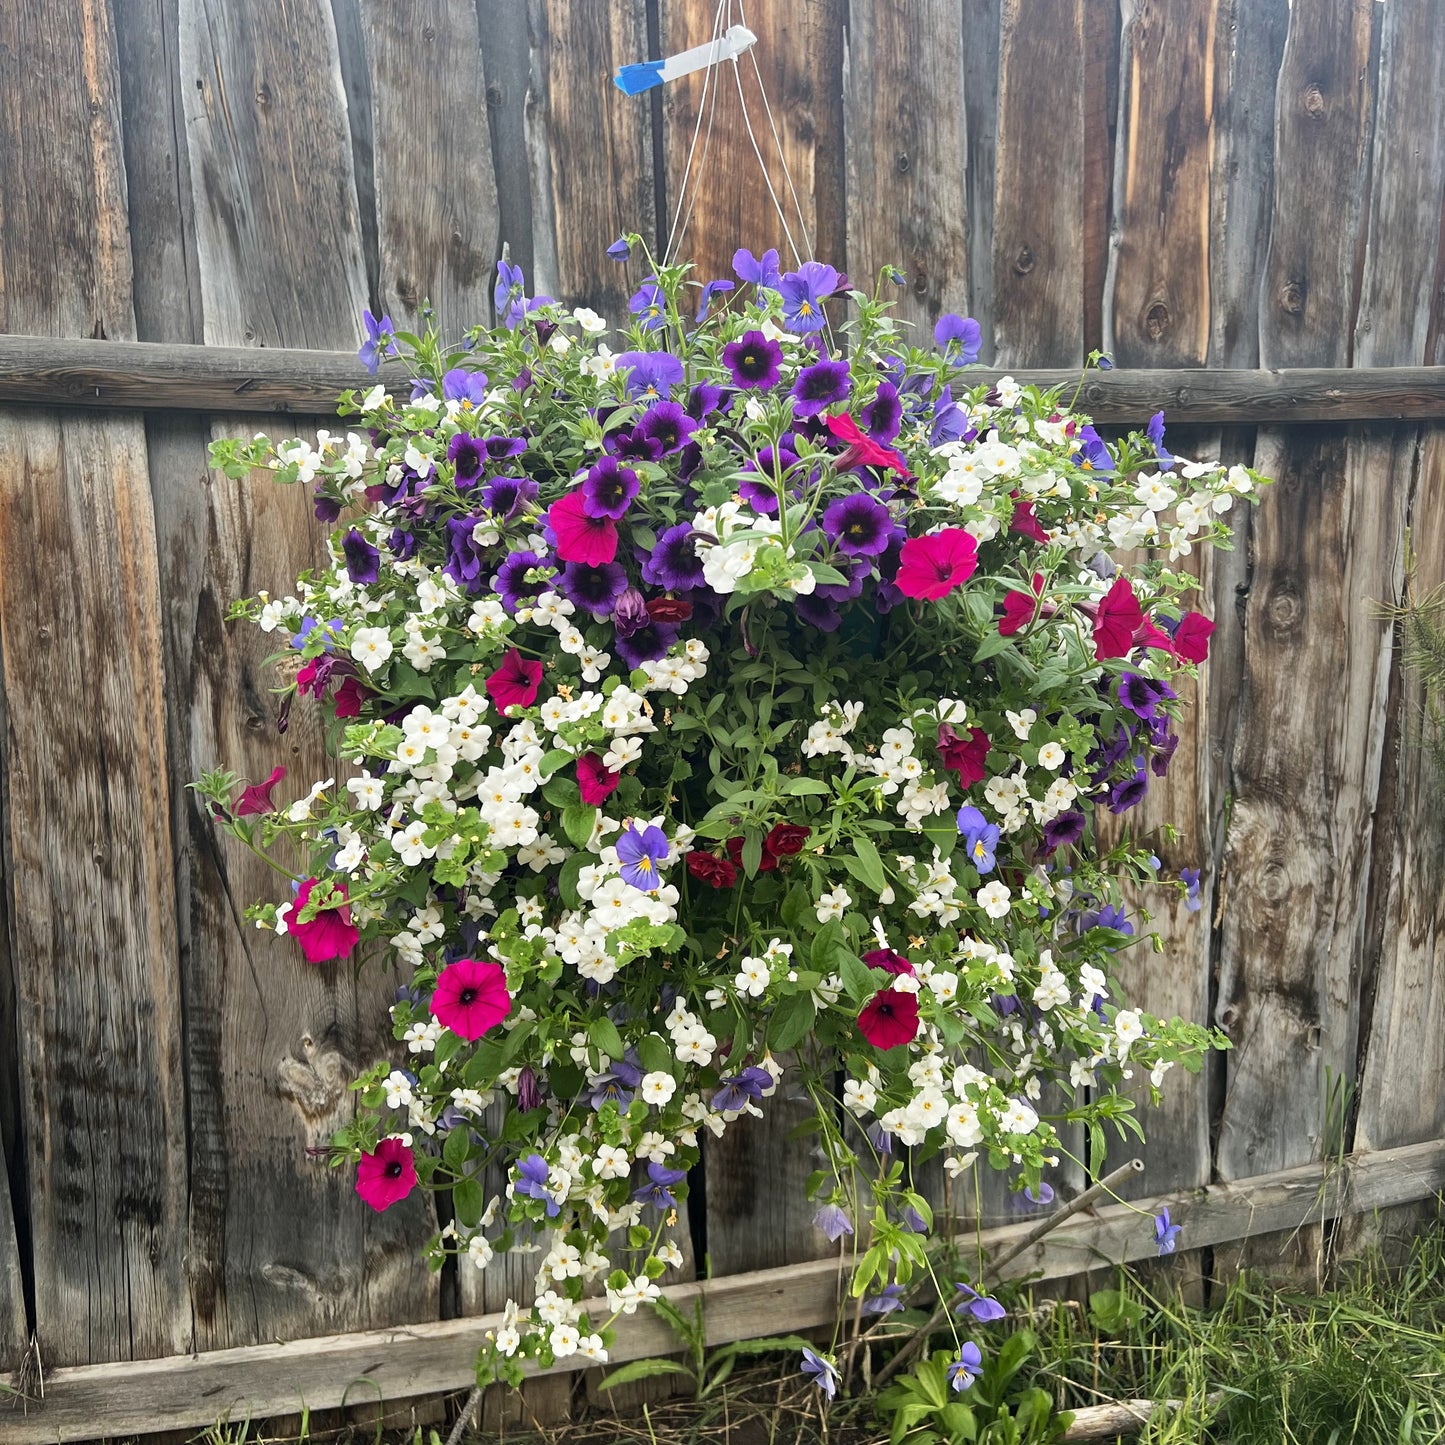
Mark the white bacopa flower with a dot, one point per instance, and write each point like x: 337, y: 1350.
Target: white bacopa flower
x: 1018, y: 1118
x: 657, y: 1088
x: 1127, y: 1029
x: 1052, y: 757
x: 833, y: 904
x: 860, y: 1096
x: 993, y: 898
x: 371, y: 647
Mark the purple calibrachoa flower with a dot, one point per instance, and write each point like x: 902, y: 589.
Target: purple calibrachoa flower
x: 504, y: 497
x: 658, y: 1193
x: 1166, y: 1235
x: 608, y: 489
x: 594, y: 589
x: 860, y: 525
x: 832, y: 1219
x: 823, y: 1370
x: 378, y: 341
x: 1128, y: 794
x: 753, y: 360
x: 674, y: 564
x: 824, y: 384
x: 883, y: 416
x: 959, y: 336
x: 467, y: 455
x: 511, y: 583
x: 641, y: 853
x: 980, y: 838
x: 1142, y: 695
x: 967, y: 1367
x: 668, y: 424
x: 532, y: 1183
x: 647, y: 644
x: 803, y: 292
x: 650, y: 374
x: 984, y: 1308
x: 1065, y: 828
x: 760, y: 271
x: 713, y: 288
x: 363, y: 561
x: 508, y: 296
x: 649, y: 305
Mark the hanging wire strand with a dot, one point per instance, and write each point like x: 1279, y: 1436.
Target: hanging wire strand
x: 707, y: 102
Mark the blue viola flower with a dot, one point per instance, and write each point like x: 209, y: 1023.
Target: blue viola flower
x: 378, y: 341
x: 462, y: 385
x: 966, y: 1368
x: 509, y: 295
x: 980, y: 838
x: 1189, y: 877
x: 649, y: 305
x: 1166, y: 1235
x: 641, y: 854
x: 659, y: 1193
x: 823, y: 1371
x: 833, y: 1220
x: 803, y: 292
x: 747, y: 1087
x: 533, y: 1182
x: 761, y: 271
x: 888, y: 1299
x: 619, y: 250
x: 650, y: 374
x: 1156, y: 435
x: 984, y: 1308
x: 961, y: 338
x: 1092, y: 453
x: 713, y: 288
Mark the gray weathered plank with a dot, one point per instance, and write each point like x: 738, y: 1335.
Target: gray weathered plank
x: 1038, y: 270
x: 14, y: 1330
x: 270, y: 1379
x: 591, y: 151
x: 903, y: 105
x: 279, y: 1244
x: 980, y: 102
x: 436, y: 192
x: 506, y: 67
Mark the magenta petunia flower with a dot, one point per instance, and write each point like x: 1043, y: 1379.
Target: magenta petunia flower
x: 1116, y: 621
x: 257, y: 798
x: 331, y: 934
x: 580, y: 538
x: 471, y: 997
x: 1191, y: 637
x: 386, y: 1176
x: 931, y: 567
x: 596, y: 780
x: 889, y: 1018
x: 515, y: 682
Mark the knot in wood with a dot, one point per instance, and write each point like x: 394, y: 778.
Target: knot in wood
x: 1284, y: 611
x: 1023, y: 262
x: 263, y: 96
x: 903, y: 163
x: 429, y: 33
x: 494, y: 94
x: 1292, y: 296
x: 1274, y: 883
x: 920, y: 284
x: 1228, y: 1017
x: 1314, y: 101
x: 1156, y: 321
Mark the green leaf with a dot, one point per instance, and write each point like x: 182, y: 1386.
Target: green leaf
x: 643, y: 1370
x: 554, y: 760
x: 577, y: 822
x: 858, y: 978
x: 792, y: 1021
x: 467, y: 1202
x: 602, y: 1034
x: 456, y: 1149
x: 655, y: 1055
x: 870, y: 864
x: 992, y: 644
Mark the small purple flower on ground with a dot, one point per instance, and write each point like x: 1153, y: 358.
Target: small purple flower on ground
x: 984, y: 1308
x: 965, y: 1369
x: 1166, y: 1235
x: 823, y: 1371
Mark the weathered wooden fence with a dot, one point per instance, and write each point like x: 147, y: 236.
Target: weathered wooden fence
x: 1222, y: 184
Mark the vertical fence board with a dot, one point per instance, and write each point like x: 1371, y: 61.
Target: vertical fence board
x: 436, y: 192
x: 280, y: 1246
x: 1038, y: 267
x: 1156, y: 308
x: 1398, y: 1103
x: 502, y: 25
x: 980, y: 104
x: 799, y: 55
x: 907, y: 154
x: 592, y: 171
x: 91, y: 905
x: 1306, y: 762
x: 13, y: 1330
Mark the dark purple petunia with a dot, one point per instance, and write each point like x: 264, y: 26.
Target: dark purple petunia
x: 363, y: 561
x: 608, y: 489
x: 467, y: 455
x: 504, y: 497
x: 674, y: 564
x: 1128, y: 794
x: 647, y: 644
x: 824, y: 384
x: 883, y: 416
x: 499, y: 448
x: 1063, y: 830
x: 818, y: 612
x: 960, y: 337
x: 856, y: 573
x: 860, y: 525
x: 629, y: 445
x: 511, y: 581
x: 761, y: 271
x: 594, y: 589
x: 325, y: 509
x: 1159, y: 763
x: 630, y: 615
x: 667, y: 423
x: 803, y: 292
x: 1142, y: 695
x: 464, y: 557
x: 753, y: 360
x: 402, y: 544
x: 703, y: 400
x: 649, y: 373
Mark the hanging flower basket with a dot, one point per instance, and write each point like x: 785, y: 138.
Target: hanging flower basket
x: 738, y: 705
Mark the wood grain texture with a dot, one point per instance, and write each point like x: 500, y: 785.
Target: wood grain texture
x: 278, y: 231
x: 436, y: 191
x: 799, y: 55
x: 14, y: 1328
x: 279, y: 1244
x: 903, y: 107
x: 1157, y: 302
x: 271, y: 1379
x: 591, y: 149
x: 1101, y: 126
x: 1038, y: 270
x: 506, y: 66
x: 93, y: 922
x: 980, y: 103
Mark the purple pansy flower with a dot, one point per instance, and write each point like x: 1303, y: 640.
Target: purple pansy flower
x: 820, y: 386
x: 980, y: 838
x: 888, y: 1299
x: 760, y: 271
x: 378, y: 341
x: 1190, y: 878
x: 744, y: 1088
x: 649, y: 305
x: 533, y: 1182
x: 619, y: 250
x: 649, y: 374
x: 1156, y: 435
x: 803, y: 292
x: 641, y: 852
x: 508, y: 295
x: 959, y: 336
x: 1092, y: 452
x: 713, y: 288
x: 462, y: 385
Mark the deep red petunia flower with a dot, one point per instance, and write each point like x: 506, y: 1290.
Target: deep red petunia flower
x: 786, y: 839
x: 471, y: 997
x: 889, y: 1018
x: 257, y: 798
x: 1118, y: 618
x: 1191, y: 637
x: 931, y: 567
x: 580, y: 538
x: 887, y: 960
x: 1019, y: 607
x: 387, y: 1176
x: 964, y: 756
x: 331, y: 934
x: 669, y: 609
x: 597, y: 781
x: 861, y: 450
x: 1025, y: 521
x: 710, y: 869
x: 349, y: 697
x: 735, y: 852
x: 515, y: 682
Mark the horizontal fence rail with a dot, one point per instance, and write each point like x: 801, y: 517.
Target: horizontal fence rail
x: 261, y: 1381
x: 160, y: 376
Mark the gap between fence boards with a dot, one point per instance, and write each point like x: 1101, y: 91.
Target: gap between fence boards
x: 162, y: 376
x: 138, y: 1397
